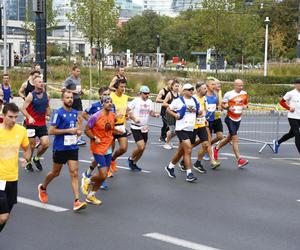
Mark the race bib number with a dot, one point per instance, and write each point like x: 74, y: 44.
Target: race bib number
x: 70, y: 140
x: 200, y: 121
x: 78, y: 88
x: 189, y: 121
x: 237, y: 109
x: 211, y: 107
x: 120, y: 127
x: 30, y: 132
x: 145, y: 129
x: 2, y: 185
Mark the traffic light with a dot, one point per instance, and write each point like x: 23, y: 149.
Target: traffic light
x: 38, y: 6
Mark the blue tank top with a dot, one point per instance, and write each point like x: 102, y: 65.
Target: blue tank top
x: 6, y: 94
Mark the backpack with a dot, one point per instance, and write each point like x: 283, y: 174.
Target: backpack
x: 183, y: 109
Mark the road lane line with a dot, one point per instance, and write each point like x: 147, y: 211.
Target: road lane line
x: 245, y: 156
x: 298, y: 200
x: 296, y: 163
x: 41, y: 205
x: 178, y: 242
x: 121, y: 167
x: 286, y: 158
x: 219, y: 158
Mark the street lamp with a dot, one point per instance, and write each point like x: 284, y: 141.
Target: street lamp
x: 70, y: 51
x: 157, y: 50
x: 267, y: 21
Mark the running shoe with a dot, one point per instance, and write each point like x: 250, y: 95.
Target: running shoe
x: 181, y: 166
x: 167, y: 146
x: 79, y: 205
x: 131, y: 165
x: 215, y: 164
x: 198, y: 166
x: 191, y: 177
x: 110, y: 174
x: 81, y: 142
x: 113, y: 166
x: 206, y: 157
x: 29, y: 167
x: 242, y: 163
x: 137, y: 168
x: 161, y: 139
x: 42, y: 194
x: 216, y: 153
x: 276, y: 146
x: 104, y: 186
x: 38, y: 164
x: 85, y: 185
x: 171, y: 172
x: 93, y: 200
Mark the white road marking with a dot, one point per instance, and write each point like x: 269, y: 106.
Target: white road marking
x: 296, y: 163
x: 178, y: 242
x: 121, y: 167
x: 298, y: 200
x: 41, y: 205
x: 286, y: 158
x: 245, y: 156
x: 219, y: 158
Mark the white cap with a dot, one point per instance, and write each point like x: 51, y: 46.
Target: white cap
x: 187, y: 86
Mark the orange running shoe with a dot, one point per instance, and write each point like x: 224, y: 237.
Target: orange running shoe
x: 113, y: 166
x: 79, y: 205
x: 110, y: 174
x: 42, y: 194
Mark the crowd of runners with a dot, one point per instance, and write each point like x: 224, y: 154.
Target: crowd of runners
x: 190, y: 112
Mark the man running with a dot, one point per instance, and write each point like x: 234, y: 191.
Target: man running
x: 291, y: 102
x: 12, y: 137
x: 65, y: 128
x: 100, y: 130
x: 160, y: 99
x: 120, y: 101
x: 185, y: 110
x: 119, y: 76
x: 6, y: 89
x: 97, y: 106
x: 35, y: 109
x: 73, y: 84
x: 140, y: 110
x: 235, y: 101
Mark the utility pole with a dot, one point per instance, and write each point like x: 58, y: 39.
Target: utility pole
x: 39, y: 7
x: 267, y: 21
x: 298, y: 40
x: 157, y: 51
x: 4, y: 37
x: 70, y: 51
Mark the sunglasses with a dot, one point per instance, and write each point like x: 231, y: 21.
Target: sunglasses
x: 192, y: 89
x: 146, y: 93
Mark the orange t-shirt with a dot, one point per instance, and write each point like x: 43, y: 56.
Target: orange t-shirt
x: 102, y: 126
x: 236, y: 102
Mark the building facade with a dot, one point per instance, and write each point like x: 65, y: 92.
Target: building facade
x: 162, y: 7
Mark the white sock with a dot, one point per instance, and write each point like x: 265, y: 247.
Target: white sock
x: 91, y: 193
x: 188, y: 171
x: 171, y: 165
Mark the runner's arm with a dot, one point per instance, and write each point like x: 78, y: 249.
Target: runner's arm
x: 55, y: 131
x: 85, y: 115
x: 22, y: 90
x: 284, y: 104
x: 27, y: 153
x: 172, y: 113
x: 26, y: 103
x: 158, y: 98
x: 112, y: 83
x: 165, y: 101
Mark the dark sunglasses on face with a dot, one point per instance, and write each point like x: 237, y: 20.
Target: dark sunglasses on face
x: 146, y: 93
x: 192, y: 89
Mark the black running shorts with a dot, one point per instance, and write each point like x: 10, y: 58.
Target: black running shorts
x: 36, y: 131
x: 186, y: 135
x: 62, y: 157
x: 139, y: 136
x: 8, y: 197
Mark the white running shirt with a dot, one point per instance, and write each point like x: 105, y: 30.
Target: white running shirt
x: 293, y: 99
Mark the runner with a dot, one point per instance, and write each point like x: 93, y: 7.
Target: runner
x: 291, y: 102
x: 65, y: 128
x: 185, y: 110
x: 172, y: 95
x: 160, y: 99
x: 35, y: 109
x: 120, y: 101
x: 140, y: 110
x: 6, y: 89
x: 12, y: 137
x: 28, y: 86
x: 73, y: 84
x: 97, y: 106
x: 235, y: 101
x: 213, y: 105
x: 119, y: 76
x: 100, y: 129
x: 218, y: 113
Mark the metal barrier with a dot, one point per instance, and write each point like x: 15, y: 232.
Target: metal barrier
x: 260, y: 124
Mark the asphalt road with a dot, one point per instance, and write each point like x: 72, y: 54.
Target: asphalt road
x: 229, y: 208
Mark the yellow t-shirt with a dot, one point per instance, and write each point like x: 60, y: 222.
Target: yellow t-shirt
x: 201, y: 121
x: 121, y: 106
x: 218, y: 112
x: 10, y: 142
